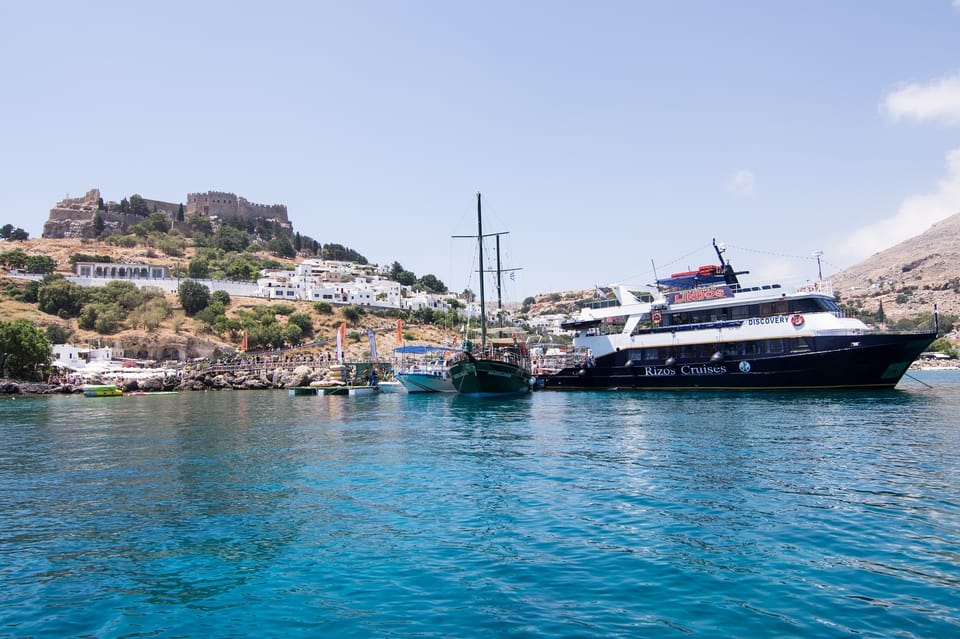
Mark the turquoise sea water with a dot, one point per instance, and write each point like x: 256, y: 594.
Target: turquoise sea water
x: 594, y: 514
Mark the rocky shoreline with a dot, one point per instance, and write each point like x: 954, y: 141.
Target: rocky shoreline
x: 186, y: 380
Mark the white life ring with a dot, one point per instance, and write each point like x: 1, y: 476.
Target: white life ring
x: 797, y: 320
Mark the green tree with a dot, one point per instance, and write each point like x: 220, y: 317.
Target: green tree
x: 230, y: 239
x: 352, y: 314
x: 180, y: 213
x: 220, y: 296
x: 19, y: 235
x: 61, y: 298
x: 5, y: 231
x: 138, y: 206
x: 23, y: 349
x: 210, y: 314
x: 281, y: 246
x: 40, y: 264
x: 240, y: 269
x: 199, y: 268
x: 102, y: 318
x: 14, y: 258
x: 150, y: 314
x: 297, y: 242
x: 423, y: 315
x: 159, y: 222
x: 98, y: 224
x: 199, y: 223
x: 341, y: 253
x: 407, y: 278
x: 303, y: 321
x: 292, y: 334
x: 58, y: 334
x: 324, y: 308
x: 193, y: 296
x: 431, y: 283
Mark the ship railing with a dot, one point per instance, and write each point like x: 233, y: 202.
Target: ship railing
x: 690, y: 327
x: 821, y: 286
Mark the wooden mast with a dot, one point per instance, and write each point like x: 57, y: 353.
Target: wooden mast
x: 483, y: 312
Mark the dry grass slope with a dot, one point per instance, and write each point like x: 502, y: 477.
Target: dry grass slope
x: 179, y: 332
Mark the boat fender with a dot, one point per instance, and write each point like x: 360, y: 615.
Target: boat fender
x: 671, y: 361
x: 716, y: 357
x: 797, y: 320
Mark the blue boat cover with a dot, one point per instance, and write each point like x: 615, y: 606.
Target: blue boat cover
x: 692, y: 281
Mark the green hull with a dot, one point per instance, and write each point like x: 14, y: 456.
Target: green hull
x: 489, y: 378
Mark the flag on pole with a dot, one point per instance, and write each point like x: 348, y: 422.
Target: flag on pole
x: 600, y: 294
x: 373, y: 345
x: 341, y: 340
x: 399, y: 332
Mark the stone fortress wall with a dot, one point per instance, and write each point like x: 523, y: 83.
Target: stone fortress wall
x: 221, y: 205
x: 73, y: 217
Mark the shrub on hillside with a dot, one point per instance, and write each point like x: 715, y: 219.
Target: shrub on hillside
x: 193, y: 296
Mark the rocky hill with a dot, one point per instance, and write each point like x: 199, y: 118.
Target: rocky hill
x: 908, y: 278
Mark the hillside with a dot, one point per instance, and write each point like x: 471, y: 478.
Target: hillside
x: 907, y: 279
x: 179, y: 335
x: 910, y: 277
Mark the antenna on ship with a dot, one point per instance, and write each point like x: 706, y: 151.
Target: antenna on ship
x: 818, y: 255
x: 729, y: 275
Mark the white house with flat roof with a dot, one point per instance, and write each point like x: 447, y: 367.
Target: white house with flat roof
x: 113, y: 271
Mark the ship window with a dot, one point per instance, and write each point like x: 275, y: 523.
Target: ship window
x: 829, y: 305
x: 805, y: 305
x: 650, y: 354
x: 733, y: 349
x: 740, y: 312
x: 799, y: 345
x: 782, y: 308
x: 751, y: 348
x: 774, y: 346
x: 688, y: 352
x: 766, y: 310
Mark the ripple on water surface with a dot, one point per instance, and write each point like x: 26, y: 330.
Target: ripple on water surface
x: 557, y: 514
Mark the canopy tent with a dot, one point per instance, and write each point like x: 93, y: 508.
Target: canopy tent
x: 423, y: 350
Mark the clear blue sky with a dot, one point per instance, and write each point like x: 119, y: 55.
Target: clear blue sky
x: 604, y: 136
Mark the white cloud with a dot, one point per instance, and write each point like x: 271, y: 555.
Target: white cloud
x: 937, y: 100
x: 915, y: 216
x: 744, y: 183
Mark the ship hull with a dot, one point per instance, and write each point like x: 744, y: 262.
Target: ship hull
x: 426, y: 382
x: 860, y: 361
x: 489, y: 378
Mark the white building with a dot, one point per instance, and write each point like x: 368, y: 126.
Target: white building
x: 79, y: 357
x: 112, y: 271
x: 329, y: 281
